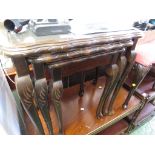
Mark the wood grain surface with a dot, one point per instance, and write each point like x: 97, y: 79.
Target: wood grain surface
x: 79, y: 114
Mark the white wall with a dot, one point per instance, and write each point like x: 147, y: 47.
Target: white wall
x: 8, y: 112
x: 127, y: 10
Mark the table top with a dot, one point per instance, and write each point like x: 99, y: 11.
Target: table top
x: 27, y: 43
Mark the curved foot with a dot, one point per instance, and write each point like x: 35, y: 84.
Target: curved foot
x: 111, y: 113
x: 99, y: 113
x: 105, y: 113
x: 99, y: 116
x: 125, y: 106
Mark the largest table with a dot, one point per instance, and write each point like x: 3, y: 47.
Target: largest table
x: 55, y: 54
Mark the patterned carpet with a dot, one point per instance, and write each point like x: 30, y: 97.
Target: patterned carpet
x: 146, y: 129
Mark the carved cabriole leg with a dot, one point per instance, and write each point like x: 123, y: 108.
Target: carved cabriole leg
x: 121, y: 62
x: 111, y: 72
x: 25, y: 91
x: 56, y: 93
x: 130, y: 62
x: 141, y: 71
x: 81, y: 92
x: 114, y: 74
x: 41, y: 94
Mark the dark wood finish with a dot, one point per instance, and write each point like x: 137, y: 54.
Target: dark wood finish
x: 60, y: 45
x: 121, y: 62
x: 82, y: 80
x: 25, y: 91
x: 56, y: 90
x: 70, y: 71
x: 130, y: 62
x: 96, y: 75
x: 57, y: 54
x: 41, y: 96
x: 79, y: 113
x: 111, y: 72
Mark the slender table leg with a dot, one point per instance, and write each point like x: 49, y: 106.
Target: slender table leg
x: 56, y: 94
x: 114, y: 74
x: 81, y: 92
x: 121, y: 62
x: 25, y: 91
x: 130, y: 62
x: 141, y: 71
x: 41, y: 92
x: 130, y: 55
x: 111, y: 72
x: 96, y: 75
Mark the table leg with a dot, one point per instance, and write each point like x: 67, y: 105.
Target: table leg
x: 56, y: 94
x: 114, y: 74
x: 96, y: 75
x: 81, y: 92
x: 25, y: 91
x: 41, y: 92
x: 121, y: 62
x: 111, y: 72
x: 130, y: 62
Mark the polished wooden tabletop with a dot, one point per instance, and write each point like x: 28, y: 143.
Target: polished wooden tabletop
x: 26, y: 43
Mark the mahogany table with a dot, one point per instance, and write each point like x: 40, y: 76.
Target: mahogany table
x: 60, y: 56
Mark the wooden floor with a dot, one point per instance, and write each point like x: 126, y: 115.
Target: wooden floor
x: 79, y: 113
